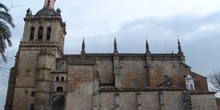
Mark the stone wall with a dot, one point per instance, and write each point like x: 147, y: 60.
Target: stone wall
x: 166, y: 68
x: 218, y: 103
x: 141, y: 100
x: 105, y: 70
x: 203, y: 102
x: 133, y: 70
x: 200, y: 82
x: 80, y: 87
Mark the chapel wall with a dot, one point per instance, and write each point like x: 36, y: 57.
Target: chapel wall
x: 133, y: 73
x: 165, y: 68
x: 105, y: 70
x: 146, y: 100
x: 80, y: 87
x: 200, y: 82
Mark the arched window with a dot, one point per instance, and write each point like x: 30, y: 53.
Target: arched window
x: 165, y: 78
x: 191, y: 86
x: 57, y: 79
x: 32, y: 33
x: 62, y: 79
x: 48, y: 3
x: 133, y: 83
x: 48, y: 32
x: 40, y: 32
x: 59, y: 89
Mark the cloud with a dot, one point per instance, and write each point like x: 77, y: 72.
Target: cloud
x: 199, y: 36
x: 3, y: 90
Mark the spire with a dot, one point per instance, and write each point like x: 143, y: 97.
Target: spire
x: 115, y: 47
x: 83, y: 49
x: 49, y: 4
x: 147, y: 48
x: 179, y: 48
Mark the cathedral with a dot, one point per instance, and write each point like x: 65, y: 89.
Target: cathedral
x: 44, y: 78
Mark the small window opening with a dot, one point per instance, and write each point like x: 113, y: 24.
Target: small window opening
x: 191, y: 87
x: 48, y: 32
x: 32, y: 94
x: 133, y: 83
x: 40, y: 32
x: 57, y: 79
x: 62, y: 79
x: 59, y: 89
x: 32, y: 33
x: 165, y: 78
x: 66, y: 64
x: 48, y: 3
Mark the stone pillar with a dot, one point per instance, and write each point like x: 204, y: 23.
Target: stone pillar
x: 116, y: 101
x: 187, y: 101
x: 96, y: 94
x: 117, y: 71
x: 149, y: 71
x: 44, y: 85
x: 161, y: 99
x: 149, y: 68
x: 116, y: 66
x: 138, y: 101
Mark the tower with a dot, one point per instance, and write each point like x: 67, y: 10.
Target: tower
x: 49, y: 4
x: 189, y: 80
x: 42, y: 43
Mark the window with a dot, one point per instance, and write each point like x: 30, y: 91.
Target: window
x: 62, y: 79
x: 48, y: 3
x: 57, y: 79
x: 191, y: 86
x: 32, y: 107
x: 66, y: 64
x: 59, y: 89
x: 165, y: 78
x: 32, y: 94
x: 133, y: 83
x: 40, y: 32
x: 48, y: 32
x: 32, y: 33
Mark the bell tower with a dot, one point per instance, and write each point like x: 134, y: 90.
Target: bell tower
x: 45, y: 27
x: 41, y: 45
x: 49, y: 4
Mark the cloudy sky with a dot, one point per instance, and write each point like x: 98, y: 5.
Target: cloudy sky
x: 131, y: 22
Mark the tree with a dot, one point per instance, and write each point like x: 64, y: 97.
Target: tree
x: 5, y: 33
x: 214, y: 79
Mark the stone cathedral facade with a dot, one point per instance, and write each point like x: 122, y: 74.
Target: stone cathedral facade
x: 44, y: 78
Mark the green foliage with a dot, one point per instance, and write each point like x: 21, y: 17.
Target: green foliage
x: 5, y: 33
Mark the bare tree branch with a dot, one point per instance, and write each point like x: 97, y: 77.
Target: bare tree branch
x: 214, y: 79
x: 12, y: 6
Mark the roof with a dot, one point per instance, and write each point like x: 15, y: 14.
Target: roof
x: 175, y: 77
x: 46, y: 11
x: 200, y: 92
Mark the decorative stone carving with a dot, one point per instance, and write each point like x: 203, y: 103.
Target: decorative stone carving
x: 187, y: 101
